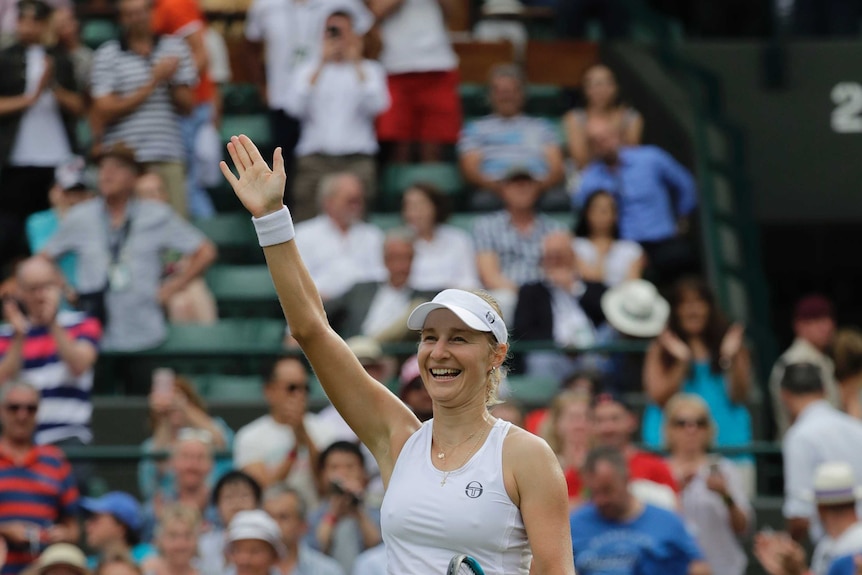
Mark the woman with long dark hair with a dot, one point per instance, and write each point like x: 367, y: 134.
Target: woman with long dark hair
x: 700, y: 353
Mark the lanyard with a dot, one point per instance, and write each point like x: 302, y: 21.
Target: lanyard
x: 117, y: 239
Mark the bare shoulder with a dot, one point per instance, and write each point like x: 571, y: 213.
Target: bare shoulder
x: 528, y: 461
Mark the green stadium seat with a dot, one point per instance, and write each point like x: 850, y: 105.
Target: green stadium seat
x: 243, y: 291
x: 96, y: 32
x: 233, y: 387
x: 385, y: 221
x: 241, y: 99
x: 397, y: 178
x: 226, y: 337
x: 545, y: 100
x: 474, y: 99
x: 532, y: 391
x: 233, y: 234
x: 255, y: 126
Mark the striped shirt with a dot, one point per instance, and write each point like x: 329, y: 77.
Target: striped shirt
x: 152, y: 129
x: 520, y: 255
x: 506, y: 143
x: 65, y: 407
x: 38, y: 489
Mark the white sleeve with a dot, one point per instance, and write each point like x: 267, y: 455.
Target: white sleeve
x: 254, y: 27
x: 799, y: 465
x: 248, y: 449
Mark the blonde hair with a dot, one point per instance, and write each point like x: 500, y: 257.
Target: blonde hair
x: 548, y: 430
x: 496, y: 375
x: 681, y: 401
x: 179, y: 513
x: 847, y: 351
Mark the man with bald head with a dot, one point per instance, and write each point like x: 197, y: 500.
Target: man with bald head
x: 338, y: 248
x: 53, y: 349
x: 655, y: 195
x: 561, y: 307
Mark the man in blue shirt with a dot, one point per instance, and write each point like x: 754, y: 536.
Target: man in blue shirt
x: 655, y: 195
x: 615, y: 534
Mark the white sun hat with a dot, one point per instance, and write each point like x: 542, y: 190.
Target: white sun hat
x: 834, y: 484
x: 470, y: 308
x: 256, y: 524
x: 635, y: 308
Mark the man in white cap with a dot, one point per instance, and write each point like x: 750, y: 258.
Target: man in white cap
x: 835, y: 494
x: 61, y: 559
x: 254, y: 544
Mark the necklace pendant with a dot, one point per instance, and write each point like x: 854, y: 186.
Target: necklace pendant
x: 441, y: 455
x: 443, y: 482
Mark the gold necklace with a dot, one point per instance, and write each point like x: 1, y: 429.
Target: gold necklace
x: 441, y: 454
x: 466, y: 457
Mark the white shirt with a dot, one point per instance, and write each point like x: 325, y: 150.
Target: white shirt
x: 265, y: 440
x: 371, y: 562
x: 389, y: 305
x: 572, y: 327
x: 821, y: 433
x: 337, y: 261
x: 217, y: 57
x: 415, y: 39
x: 828, y: 550
x: 424, y: 523
x: 618, y: 260
x: 447, y: 261
x: 41, y: 139
x: 337, y: 113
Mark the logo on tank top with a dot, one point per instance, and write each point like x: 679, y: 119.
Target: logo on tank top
x: 474, y: 489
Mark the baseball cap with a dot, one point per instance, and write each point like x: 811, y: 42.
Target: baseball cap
x: 70, y: 175
x: 519, y: 172
x: 469, y: 307
x: 121, y: 505
x: 813, y: 307
x: 256, y: 524
x: 64, y: 554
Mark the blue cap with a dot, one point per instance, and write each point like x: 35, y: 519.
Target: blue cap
x: 121, y: 505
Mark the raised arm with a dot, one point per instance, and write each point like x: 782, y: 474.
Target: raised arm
x: 377, y: 416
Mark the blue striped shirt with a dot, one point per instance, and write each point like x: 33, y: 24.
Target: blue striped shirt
x: 506, y: 143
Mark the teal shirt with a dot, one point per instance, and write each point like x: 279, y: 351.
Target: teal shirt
x: 733, y: 421
x: 40, y: 227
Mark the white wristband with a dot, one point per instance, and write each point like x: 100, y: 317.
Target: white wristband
x: 274, y: 228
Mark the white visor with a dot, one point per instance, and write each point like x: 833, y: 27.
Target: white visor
x: 470, y: 308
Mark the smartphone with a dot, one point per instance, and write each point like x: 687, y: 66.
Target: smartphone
x: 163, y: 382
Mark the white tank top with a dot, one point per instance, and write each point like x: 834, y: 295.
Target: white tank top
x: 424, y: 524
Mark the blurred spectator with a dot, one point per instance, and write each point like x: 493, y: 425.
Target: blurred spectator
x: 412, y: 390
x: 701, y: 353
x: 60, y: 559
x: 847, y: 351
x: 177, y: 542
x: 339, y: 249
x: 39, y: 105
x: 343, y: 526
x: 380, y: 309
x: 560, y: 308
x: 779, y: 554
x: 38, y: 497
x: 194, y: 303
x: 616, y: 533
x: 492, y: 146
x: 846, y: 565
x: 184, y: 19
x: 9, y: 18
x: 104, y: 232
x: 282, y: 446
x: 67, y: 30
x: 444, y: 255
x: 509, y: 410
x: 603, y: 101
x: 586, y: 382
x: 656, y: 196
x: 614, y: 424
x: 112, y: 525
x: 714, y: 503
x: 291, y: 34
x: 423, y: 77
x: 371, y: 562
x: 191, y: 465
x: 287, y: 507
x: 174, y: 405
x: 67, y: 192
x: 117, y: 564
x: 55, y: 351
x: 336, y: 101
x: 568, y: 431
x: 818, y: 433
x: 836, y: 493
x: 140, y: 106
x: 572, y: 16
x: 254, y: 544
x: 602, y: 256
x: 814, y: 331
x: 509, y: 242
x: 235, y: 491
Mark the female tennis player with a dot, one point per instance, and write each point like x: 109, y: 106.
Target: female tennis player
x: 463, y: 482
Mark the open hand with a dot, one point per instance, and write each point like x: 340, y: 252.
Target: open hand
x: 732, y: 341
x: 15, y: 317
x: 165, y: 69
x: 260, y: 189
x: 674, y: 346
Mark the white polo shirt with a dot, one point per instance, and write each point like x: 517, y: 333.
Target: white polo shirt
x: 415, y: 39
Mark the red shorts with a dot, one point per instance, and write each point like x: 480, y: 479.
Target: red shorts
x: 425, y: 108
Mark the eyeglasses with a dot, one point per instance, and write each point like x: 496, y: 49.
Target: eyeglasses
x: 294, y: 387
x: 31, y: 408
x: 700, y: 422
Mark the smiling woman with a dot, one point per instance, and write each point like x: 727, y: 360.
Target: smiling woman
x: 467, y: 465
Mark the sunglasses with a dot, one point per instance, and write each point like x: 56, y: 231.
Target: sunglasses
x: 31, y: 408
x: 294, y: 387
x: 700, y: 423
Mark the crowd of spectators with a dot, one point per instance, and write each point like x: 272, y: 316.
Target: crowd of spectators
x: 103, y: 254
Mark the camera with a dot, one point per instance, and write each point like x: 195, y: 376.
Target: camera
x: 336, y: 488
